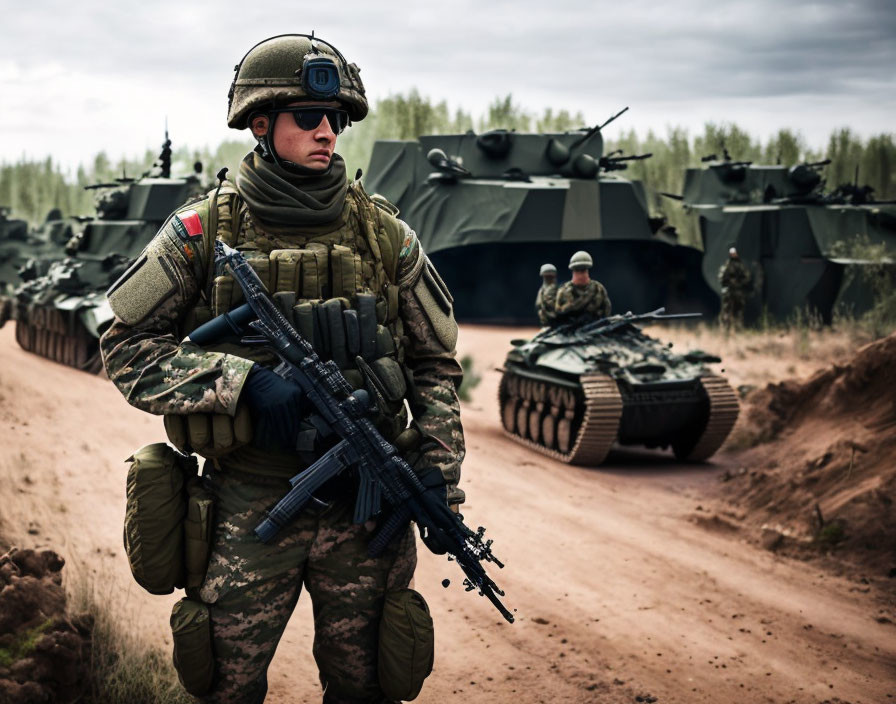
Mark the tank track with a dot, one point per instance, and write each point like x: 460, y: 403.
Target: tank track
x: 723, y: 411
x: 557, y: 421
x: 49, y: 333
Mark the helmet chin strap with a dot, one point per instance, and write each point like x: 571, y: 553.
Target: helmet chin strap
x: 266, y: 143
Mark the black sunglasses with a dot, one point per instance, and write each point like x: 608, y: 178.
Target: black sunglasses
x: 309, y: 118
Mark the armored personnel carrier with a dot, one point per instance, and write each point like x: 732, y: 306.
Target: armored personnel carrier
x: 61, y: 314
x: 789, y: 232
x: 26, y: 253
x: 491, y: 208
x: 573, y: 390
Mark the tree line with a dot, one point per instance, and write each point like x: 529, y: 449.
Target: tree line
x: 32, y: 187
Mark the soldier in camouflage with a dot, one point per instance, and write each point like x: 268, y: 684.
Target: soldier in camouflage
x: 582, y: 297
x: 546, y: 299
x: 735, y: 280
x: 354, y: 280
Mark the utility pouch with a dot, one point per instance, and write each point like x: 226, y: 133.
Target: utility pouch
x: 193, y: 657
x: 222, y: 292
x: 262, y: 266
x: 315, y: 281
x: 406, y: 643
x: 154, y: 516
x: 286, y: 268
x: 303, y: 314
x: 198, y: 533
x: 345, y: 272
x: 336, y: 328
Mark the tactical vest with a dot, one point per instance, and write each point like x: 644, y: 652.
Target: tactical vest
x: 336, y: 284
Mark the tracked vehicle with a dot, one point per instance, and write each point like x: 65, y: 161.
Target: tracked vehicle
x: 796, y: 238
x: 574, y: 390
x: 491, y: 208
x: 26, y: 253
x: 62, y: 313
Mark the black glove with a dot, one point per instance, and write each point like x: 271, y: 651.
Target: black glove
x: 436, y: 492
x: 276, y: 406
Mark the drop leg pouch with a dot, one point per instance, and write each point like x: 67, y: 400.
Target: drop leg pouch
x: 406, y: 644
x: 193, y: 657
x: 154, y: 516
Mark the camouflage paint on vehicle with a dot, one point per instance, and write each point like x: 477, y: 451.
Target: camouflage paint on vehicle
x: 573, y: 390
x: 491, y: 208
x: 789, y: 233
x: 61, y: 313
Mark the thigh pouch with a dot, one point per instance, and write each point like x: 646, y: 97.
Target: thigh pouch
x: 406, y: 641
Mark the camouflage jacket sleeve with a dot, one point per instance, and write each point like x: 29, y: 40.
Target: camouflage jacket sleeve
x: 142, y: 352
x: 600, y: 303
x: 426, y: 312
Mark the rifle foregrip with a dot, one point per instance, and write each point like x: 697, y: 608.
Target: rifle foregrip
x: 267, y: 530
x: 397, y: 522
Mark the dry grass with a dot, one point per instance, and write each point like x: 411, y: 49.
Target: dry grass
x: 756, y: 356
x: 123, y: 667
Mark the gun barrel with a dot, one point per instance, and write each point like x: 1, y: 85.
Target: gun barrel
x: 597, y: 128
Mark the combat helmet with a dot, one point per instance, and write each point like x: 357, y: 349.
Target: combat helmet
x: 290, y: 67
x: 581, y: 259
x: 547, y: 269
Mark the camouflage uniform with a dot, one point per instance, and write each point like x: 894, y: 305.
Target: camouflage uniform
x: 735, y: 280
x: 546, y: 303
x: 252, y: 588
x: 589, y: 300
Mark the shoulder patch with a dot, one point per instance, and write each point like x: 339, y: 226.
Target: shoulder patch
x: 188, y: 225
x: 409, y: 244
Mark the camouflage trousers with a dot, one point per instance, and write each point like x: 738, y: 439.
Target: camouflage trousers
x: 252, y: 589
x: 731, y: 316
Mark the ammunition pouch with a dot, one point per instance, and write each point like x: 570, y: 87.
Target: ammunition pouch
x: 154, y: 516
x: 199, y: 526
x: 406, y: 644
x: 210, y: 435
x: 193, y: 655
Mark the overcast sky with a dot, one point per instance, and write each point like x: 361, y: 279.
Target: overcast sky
x: 76, y: 78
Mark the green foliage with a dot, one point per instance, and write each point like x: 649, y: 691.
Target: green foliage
x: 786, y: 147
x: 23, y: 644
x: 877, y: 271
x: 471, y: 378
x: 831, y: 533
x: 31, y: 188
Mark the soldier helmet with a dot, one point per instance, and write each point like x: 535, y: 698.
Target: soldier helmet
x: 732, y: 252
x: 581, y: 260
x: 547, y: 269
x: 293, y: 67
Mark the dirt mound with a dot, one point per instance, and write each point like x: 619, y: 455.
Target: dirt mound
x: 823, y: 475
x: 43, y: 653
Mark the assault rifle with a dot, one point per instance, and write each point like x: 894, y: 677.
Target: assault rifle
x: 588, y: 328
x: 382, y: 473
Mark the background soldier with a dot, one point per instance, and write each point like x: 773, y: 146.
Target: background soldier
x: 582, y: 297
x: 546, y: 300
x: 735, y: 280
x: 350, y: 275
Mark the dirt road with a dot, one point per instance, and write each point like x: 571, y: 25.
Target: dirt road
x: 624, y: 584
